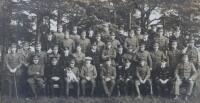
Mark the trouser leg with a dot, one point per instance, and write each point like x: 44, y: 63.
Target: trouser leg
x: 83, y: 83
x: 190, y: 88
x: 177, y: 87
x: 105, y: 87
x: 93, y: 87
x: 137, y: 84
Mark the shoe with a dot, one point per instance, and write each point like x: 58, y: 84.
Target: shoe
x: 138, y: 98
x: 176, y: 98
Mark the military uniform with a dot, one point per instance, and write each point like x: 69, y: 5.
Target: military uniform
x: 79, y: 58
x: 68, y: 43
x: 131, y: 42
x: 156, y: 57
x: 163, y: 42
x: 185, y: 73
x: 84, y: 43
x: 36, y: 77
x: 193, y: 55
x: 143, y: 73
x: 145, y: 55
x: 108, y: 72
x: 109, y: 53
x: 173, y: 57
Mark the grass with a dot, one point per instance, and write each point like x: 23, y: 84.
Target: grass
x: 127, y: 99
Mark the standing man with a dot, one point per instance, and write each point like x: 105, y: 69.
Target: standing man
x: 109, y: 52
x: 114, y: 41
x: 68, y: 42
x: 100, y: 44
x: 185, y: 73
x: 108, y: 75
x: 88, y: 74
x: 83, y: 41
x: 13, y: 63
x: 131, y: 40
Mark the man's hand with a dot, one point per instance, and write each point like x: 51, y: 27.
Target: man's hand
x: 38, y: 73
x: 107, y: 79
x: 13, y: 70
x: 88, y: 78
x: 55, y: 78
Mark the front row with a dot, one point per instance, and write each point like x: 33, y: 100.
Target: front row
x: 139, y: 77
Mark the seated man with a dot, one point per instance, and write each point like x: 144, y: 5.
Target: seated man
x: 163, y: 78
x: 143, y: 77
x: 185, y: 73
x: 55, y: 77
x: 72, y: 78
x: 88, y: 74
x: 108, y: 75
x: 36, y: 76
x: 125, y: 78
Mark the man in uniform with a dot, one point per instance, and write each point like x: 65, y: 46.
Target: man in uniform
x: 13, y: 63
x: 42, y: 55
x: 143, y: 54
x: 114, y: 41
x: 100, y: 44
x: 79, y: 56
x: 55, y: 54
x: 88, y: 74
x: 143, y: 77
x: 132, y: 40
x: 173, y: 55
x: 74, y: 34
x: 68, y: 42
x: 109, y: 52
x: 36, y: 76
x: 72, y: 77
x: 193, y: 53
x: 185, y: 73
x: 108, y: 75
x: 156, y: 56
x: 162, y: 40
x: 84, y: 42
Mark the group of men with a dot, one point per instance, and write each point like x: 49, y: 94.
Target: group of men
x: 84, y: 62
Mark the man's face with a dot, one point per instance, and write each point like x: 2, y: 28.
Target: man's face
x: 88, y: 62
x: 13, y: 49
x: 174, y: 45
x: 109, y: 44
x: 26, y: 46
x: 120, y: 50
x: 98, y: 38
x: 55, y: 50
x: 191, y: 44
x: 83, y: 35
x: 54, y: 62
x: 94, y: 47
x: 185, y: 59
x: 66, y: 34
x: 78, y: 48
x: 75, y: 31
x: 156, y: 47
x: 132, y: 34
x: 38, y: 47
x: 160, y: 32
x: 108, y: 62
x: 113, y: 37
x: 91, y: 33
x: 142, y: 47
x: 72, y: 65
x: 49, y: 37
x: 35, y: 61
x: 138, y: 31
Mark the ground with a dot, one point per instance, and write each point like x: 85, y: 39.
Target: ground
x: 103, y: 100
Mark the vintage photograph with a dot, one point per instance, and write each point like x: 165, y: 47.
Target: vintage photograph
x: 99, y: 51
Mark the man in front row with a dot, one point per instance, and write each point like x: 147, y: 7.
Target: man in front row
x: 185, y: 73
x: 88, y: 74
x: 108, y: 75
x: 143, y: 77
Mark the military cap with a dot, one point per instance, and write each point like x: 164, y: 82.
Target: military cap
x: 98, y: 35
x: 35, y: 57
x: 55, y: 46
x: 94, y: 44
x: 107, y: 59
x: 88, y: 58
x: 191, y: 40
x: 26, y: 43
x: 13, y: 45
x: 119, y: 46
x: 112, y: 34
x: 38, y: 44
x: 72, y: 61
x: 163, y: 59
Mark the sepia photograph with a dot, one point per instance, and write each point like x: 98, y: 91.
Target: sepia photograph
x: 99, y: 51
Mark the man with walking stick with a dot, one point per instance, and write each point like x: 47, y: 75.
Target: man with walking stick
x: 13, y: 63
